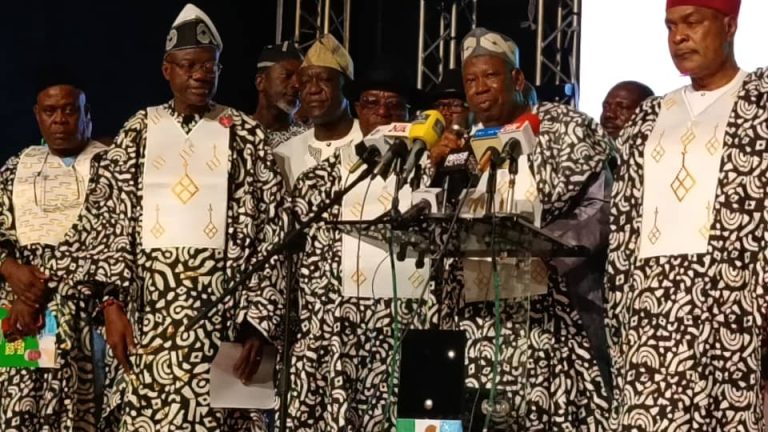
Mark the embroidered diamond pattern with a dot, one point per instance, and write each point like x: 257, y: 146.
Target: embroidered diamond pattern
x: 157, y: 230
x: 539, y: 273
x: 210, y: 230
x: 712, y: 146
x: 531, y: 194
x: 658, y: 152
x: 185, y: 189
x: 481, y: 280
x: 669, y: 103
x: 359, y: 278
x: 416, y: 279
x: 654, y: 235
x: 688, y: 136
x: 357, y: 210
x: 683, y: 183
x: 385, y: 199
x: 159, y: 162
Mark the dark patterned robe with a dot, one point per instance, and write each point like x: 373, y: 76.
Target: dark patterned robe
x: 275, y: 138
x: 341, y: 361
x: 550, y: 380
x: 59, y: 399
x: 685, y: 330
x: 171, y: 285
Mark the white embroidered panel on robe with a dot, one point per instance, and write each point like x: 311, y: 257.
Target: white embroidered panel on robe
x: 185, y: 182
x: 520, y: 277
x: 47, y: 200
x: 371, y: 274
x: 681, y: 169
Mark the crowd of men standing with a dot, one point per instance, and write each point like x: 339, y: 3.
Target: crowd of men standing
x: 660, y: 328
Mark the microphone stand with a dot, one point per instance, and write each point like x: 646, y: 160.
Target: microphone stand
x: 512, y: 169
x: 288, y: 245
x: 491, y: 187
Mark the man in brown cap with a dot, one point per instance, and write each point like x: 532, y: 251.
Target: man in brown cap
x: 327, y: 68
x: 341, y: 365
x: 687, y: 258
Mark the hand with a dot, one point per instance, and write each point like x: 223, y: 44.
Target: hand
x: 250, y: 358
x: 448, y: 143
x: 119, y: 335
x: 27, y: 282
x: 23, y: 320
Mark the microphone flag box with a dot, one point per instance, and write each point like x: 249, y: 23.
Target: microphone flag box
x: 497, y: 136
x: 424, y: 425
x: 483, y: 139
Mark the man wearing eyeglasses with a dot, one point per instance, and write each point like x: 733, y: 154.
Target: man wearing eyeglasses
x: 46, y: 232
x: 553, y: 368
x: 278, y: 92
x: 381, y: 95
x: 199, y: 198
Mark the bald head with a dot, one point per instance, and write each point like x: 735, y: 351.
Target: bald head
x: 620, y: 104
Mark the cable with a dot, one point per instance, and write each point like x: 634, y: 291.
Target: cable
x: 360, y: 239
x: 395, y: 330
x: 496, y: 320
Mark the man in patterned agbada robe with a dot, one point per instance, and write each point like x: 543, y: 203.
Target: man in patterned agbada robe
x: 687, y: 256
x: 199, y: 197
x: 47, y: 232
x: 342, y: 360
x: 553, y: 364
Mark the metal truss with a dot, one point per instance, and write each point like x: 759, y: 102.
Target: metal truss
x: 440, y: 23
x: 314, y: 18
x: 558, y: 49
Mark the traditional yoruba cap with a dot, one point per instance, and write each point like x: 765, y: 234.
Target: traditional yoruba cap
x: 56, y: 74
x: 276, y: 53
x: 481, y: 41
x: 726, y: 7
x: 192, y: 29
x: 328, y: 52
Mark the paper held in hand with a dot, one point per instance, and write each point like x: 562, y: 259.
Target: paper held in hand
x: 227, y: 391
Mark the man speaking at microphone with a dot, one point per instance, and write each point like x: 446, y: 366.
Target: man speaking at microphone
x: 563, y: 388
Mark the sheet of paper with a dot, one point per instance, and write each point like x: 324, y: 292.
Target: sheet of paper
x: 226, y: 389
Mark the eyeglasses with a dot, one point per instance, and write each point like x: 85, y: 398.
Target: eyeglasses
x: 40, y: 184
x: 190, y: 68
x: 391, y: 104
x: 456, y: 106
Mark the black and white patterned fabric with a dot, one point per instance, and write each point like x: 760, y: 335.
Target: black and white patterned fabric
x: 59, y: 399
x: 549, y: 379
x: 686, y: 330
x: 341, y: 362
x: 275, y: 138
x: 171, y: 285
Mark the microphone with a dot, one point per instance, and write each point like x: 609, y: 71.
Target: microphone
x: 417, y: 210
x: 424, y: 133
x: 397, y: 151
x: 524, y: 130
x: 457, y: 173
x: 381, y: 139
